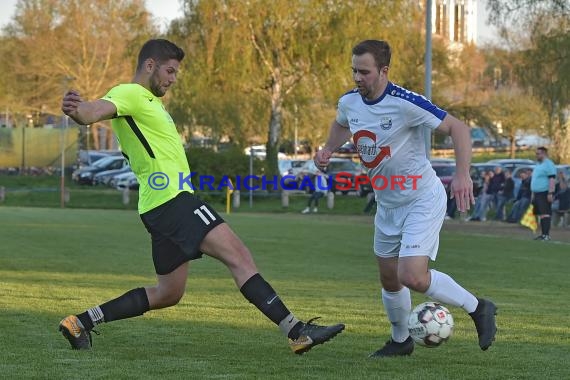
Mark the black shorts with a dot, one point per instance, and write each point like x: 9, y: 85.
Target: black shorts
x: 177, y: 229
x: 541, y: 204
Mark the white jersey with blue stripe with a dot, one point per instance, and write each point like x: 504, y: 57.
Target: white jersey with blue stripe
x: 389, y: 135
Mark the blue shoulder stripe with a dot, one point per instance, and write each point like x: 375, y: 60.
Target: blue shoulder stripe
x: 418, y: 100
x: 353, y: 91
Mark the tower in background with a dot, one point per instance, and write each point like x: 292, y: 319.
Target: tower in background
x: 455, y: 20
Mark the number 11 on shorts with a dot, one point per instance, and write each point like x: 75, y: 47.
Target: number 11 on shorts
x: 199, y: 212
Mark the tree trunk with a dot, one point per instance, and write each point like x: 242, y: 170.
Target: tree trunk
x: 513, y: 149
x: 561, y: 142
x: 274, y: 135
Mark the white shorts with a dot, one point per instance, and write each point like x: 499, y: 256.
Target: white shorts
x: 413, y: 229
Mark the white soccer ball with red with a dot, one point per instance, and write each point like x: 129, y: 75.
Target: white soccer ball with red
x: 430, y: 324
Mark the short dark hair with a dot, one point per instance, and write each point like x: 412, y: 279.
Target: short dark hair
x: 380, y: 50
x: 543, y: 149
x: 160, y: 50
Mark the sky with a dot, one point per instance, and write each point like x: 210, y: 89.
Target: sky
x: 163, y: 10
x: 166, y: 10
x: 485, y: 33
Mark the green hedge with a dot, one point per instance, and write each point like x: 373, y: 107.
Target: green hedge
x: 231, y: 162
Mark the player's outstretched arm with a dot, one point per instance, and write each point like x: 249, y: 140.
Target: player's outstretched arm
x: 461, y: 185
x: 86, y: 112
x: 338, y: 135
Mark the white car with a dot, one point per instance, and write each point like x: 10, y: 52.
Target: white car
x: 532, y: 140
x: 260, y: 152
x: 125, y: 181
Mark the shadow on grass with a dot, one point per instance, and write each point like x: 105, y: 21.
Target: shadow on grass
x: 151, y: 347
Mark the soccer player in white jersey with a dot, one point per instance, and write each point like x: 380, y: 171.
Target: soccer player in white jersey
x: 387, y: 123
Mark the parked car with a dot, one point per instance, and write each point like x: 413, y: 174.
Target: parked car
x: 85, y: 175
x: 512, y: 163
x: 296, y: 166
x: 260, y: 152
x: 89, y: 157
x: 104, y: 177
x: 442, y: 160
x: 126, y: 180
x: 445, y: 173
x: 290, y: 168
x: 532, y: 140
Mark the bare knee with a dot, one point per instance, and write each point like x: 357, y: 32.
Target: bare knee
x: 415, y: 281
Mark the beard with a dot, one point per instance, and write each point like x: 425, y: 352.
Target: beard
x: 155, y: 87
x: 364, y: 92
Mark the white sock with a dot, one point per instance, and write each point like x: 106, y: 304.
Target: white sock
x: 398, y: 306
x: 445, y: 290
x: 287, y: 324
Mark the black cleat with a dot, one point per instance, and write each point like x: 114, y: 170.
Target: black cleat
x: 392, y: 348
x: 311, y: 335
x: 73, y: 330
x: 484, y: 318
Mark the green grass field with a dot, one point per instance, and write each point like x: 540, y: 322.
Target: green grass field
x: 55, y: 262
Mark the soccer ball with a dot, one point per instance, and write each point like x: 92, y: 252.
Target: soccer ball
x: 430, y: 324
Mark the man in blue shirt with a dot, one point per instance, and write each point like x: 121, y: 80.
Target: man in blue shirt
x: 542, y: 187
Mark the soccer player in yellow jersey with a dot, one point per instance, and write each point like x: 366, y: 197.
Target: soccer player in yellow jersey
x: 182, y: 227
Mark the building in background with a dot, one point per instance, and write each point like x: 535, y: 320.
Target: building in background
x: 456, y: 20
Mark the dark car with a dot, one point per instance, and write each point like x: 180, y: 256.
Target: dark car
x: 442, y: 160
x: 445, y: 173
x: 349, y: 170
x: 85, y: 175
x: 512, y: 163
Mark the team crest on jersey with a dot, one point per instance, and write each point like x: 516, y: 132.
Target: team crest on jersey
x: 385, y: 123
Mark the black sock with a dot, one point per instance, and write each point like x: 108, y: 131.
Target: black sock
x: 545, y: 225
x: 86, y: 321
x: 257, y: 291
x: 131, y: 304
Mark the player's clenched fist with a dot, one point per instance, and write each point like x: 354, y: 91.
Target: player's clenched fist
x: 322, y: 158
x: 70, y: 102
